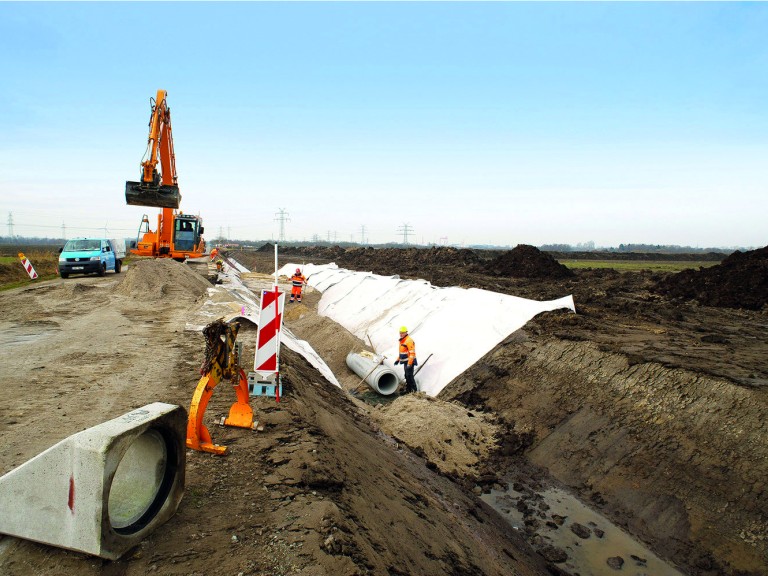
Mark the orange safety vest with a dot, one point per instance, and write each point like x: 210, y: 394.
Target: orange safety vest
x: 298, y: 280
x: 407, y: 351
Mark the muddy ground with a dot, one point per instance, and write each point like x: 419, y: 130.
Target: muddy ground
x: 650, y: 407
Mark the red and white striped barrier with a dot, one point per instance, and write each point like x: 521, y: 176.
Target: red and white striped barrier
x: 267, y: 362
x: 28, y: 266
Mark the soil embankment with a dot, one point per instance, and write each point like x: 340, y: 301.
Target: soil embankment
x: 739, y: 281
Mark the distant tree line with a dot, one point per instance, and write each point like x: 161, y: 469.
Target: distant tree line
x: 31, y: 241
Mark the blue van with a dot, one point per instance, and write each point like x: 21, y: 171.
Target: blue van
x: 91, y: 256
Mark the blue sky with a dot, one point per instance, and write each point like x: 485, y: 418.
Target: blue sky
x: 472, y: 123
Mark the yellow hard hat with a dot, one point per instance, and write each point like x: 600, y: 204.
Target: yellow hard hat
x: 403, y: 329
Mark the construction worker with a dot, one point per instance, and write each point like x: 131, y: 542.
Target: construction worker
x: 298, y: 281
x: 407, y: 357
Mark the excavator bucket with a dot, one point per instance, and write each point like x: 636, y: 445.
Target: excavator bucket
x: 142, y: 194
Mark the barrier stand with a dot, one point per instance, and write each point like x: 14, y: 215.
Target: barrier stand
x: 222, y: 360
x: 240, y: 413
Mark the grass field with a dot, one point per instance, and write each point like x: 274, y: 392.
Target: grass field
x: 638, y: 265
x: 12, y: 273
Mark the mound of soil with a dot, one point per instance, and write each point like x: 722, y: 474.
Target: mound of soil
x: 740, y: 281
x: 451, y: 438
x: 159, y: 278
x: 389, y: 261
x: 323, y: 252
x: 526, y: 261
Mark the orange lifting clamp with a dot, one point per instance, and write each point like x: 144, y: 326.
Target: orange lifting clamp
x: 222, y: 360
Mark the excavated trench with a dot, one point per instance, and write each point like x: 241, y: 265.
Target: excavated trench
x: 676, y: 458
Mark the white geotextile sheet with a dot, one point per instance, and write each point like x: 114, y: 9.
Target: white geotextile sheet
x: 457, y: 326
x: 232, y: 299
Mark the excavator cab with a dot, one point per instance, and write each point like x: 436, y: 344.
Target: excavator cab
x: 186, y: 232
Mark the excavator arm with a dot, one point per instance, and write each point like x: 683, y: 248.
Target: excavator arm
x: 157, y: 188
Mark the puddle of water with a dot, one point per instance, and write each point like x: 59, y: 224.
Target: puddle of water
x: 587, y: 556
x: 17, y: 335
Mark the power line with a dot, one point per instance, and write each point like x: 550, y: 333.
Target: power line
x: 406, y: 230
x: 10, y: 224
x: 282, y: 217
x: 56, y: 226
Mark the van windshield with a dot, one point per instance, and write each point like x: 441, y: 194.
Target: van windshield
x: 82, y: 245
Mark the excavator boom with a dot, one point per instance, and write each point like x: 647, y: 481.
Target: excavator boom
x: 157, y: 189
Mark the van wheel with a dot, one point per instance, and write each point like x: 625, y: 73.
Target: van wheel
x: 118, y: 266
x: 64, y: 274
x: 103, y: 270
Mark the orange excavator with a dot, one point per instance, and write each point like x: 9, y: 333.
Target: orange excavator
x: 178, y: 235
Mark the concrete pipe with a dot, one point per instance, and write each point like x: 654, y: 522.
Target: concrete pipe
x: 102, y: 490
x: 379, y: 377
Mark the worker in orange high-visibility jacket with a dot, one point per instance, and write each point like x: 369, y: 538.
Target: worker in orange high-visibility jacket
x: 407, y: 357
x: 297, y: 281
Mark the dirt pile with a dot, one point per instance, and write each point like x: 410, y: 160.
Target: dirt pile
x: 451, y: 438
x: 407, y: 259
x: 322, y: 252
x: 155, y: 279
x: 526, y: 261
x: 740, y: 281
